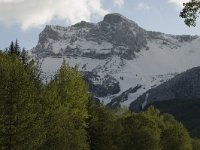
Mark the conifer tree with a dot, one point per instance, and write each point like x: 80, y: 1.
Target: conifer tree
x: 21, y: 125
x: 16, y: 48
x: 24, y: 57
x: 11, y: 49
x: 105, y: 128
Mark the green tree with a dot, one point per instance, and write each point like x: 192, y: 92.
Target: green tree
x: 196, y: 144
x: 11, y: 48
x: 17, y: 48
x: 14, y: 48
x: 66, y: 98
x: 190, y: 12
x: 142, y: 131
x: 21, y: 125
x: 174, y: 135
x: 105, y: 129
x: 24, y: 57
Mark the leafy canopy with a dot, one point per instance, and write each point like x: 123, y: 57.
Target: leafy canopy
x: 190, y: 12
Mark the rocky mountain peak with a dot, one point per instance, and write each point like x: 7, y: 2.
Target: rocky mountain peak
x: 119, y: 59
x: 115, y: 35
x: 83, y: 24
x: 114, y: 18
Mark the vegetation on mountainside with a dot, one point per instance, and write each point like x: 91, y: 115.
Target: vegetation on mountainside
x: 60, y: 115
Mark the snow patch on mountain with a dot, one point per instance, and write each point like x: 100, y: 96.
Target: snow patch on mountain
x: 119, y: 59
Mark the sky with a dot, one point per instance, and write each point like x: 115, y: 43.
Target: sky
x: 25, y: 19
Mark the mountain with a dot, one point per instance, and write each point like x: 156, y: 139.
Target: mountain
x: 185, y: 86
x: 119, y: 59
x: 115, y: 35
x: 180, y: 96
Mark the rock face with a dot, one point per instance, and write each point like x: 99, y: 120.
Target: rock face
x: 119, y: 60
x: 108, y: 86
x: 115, y: 35
x: 184, y: 86
x: 115, y: 102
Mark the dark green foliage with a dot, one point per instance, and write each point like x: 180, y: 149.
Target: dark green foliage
x: 21, y: 123
x: 150, y: 130
x: 196, y: 144
x: 142, y: 131
x: 24, y: 57
x: 66, y: 100
x: 190, y: 12
x: 59, y: 116
x: 147, y: 130
x: 174, y: 135
x: 105, y: 129
x: 14, y: 48
x: 11, y: 48
x: 186, y: 111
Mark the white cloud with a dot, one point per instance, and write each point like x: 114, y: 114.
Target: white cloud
x: 11, y: 1
x: 34, y: 13
x: 143, y: 6
x: 178, y: 3
x: 119, y: 3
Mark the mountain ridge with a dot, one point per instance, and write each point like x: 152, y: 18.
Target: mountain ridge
x: 115, y: 33
x: 184, y: 86
x: 116, y: 55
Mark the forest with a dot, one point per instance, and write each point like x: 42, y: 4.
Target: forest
x: 62, y: 115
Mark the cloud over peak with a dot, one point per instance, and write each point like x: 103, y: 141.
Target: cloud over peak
x: 34, y: 13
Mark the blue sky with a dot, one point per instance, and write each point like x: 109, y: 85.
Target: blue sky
x: 25, y: 19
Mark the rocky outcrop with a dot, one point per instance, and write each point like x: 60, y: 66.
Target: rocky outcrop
x: 116, y: 55
x: 115, y: 102
x: 105, y: 87
x: 115, y: 35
